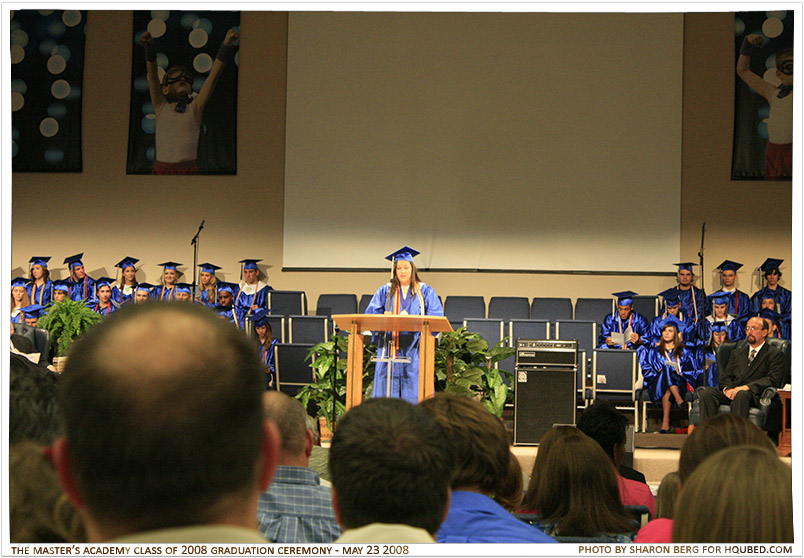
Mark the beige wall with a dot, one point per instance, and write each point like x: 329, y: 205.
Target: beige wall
x: 108, y: 215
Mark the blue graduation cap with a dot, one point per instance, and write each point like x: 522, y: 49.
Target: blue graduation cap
x: 670, y: 297
x: 405, y: 254
x: 767, y: 295
x: 170, y: 265
x: 32, y: 311
x: 183, y: 288
x: 249, y: 264
x: 766, y: 313
x: 720, y: 297
x: 770, y: 264
x: 144, y: 287
x: 128, y: 261
x: 625, y: 298
x: 671, y: 320
x: 75, y: 260
x: 39, y: 260
x: 729, y: 265
x: 685, y: 266
x: 260, y: 317
x: 719, y: 327
x: 225, y: 286
x: 208, y: 267
x: 108, y: 281
x: 19, y: 282
x: 61, y: 285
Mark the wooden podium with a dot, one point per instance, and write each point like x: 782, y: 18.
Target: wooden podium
x: 357, y: 323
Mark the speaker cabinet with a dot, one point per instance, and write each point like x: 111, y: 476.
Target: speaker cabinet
x: 542, y: 397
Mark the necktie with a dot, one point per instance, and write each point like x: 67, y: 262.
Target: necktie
x: 751, y: 355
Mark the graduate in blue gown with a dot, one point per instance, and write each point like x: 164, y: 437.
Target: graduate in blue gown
x: 124, y: 290
x: 19, y: 299
x: 226, y: 307
x: 265, y: 345
x: 783, y: 297
x: 672, y: 304
x: 170, y: 276
x: 405, y: 294
x: 61, y: 290
x: 670, y: 370
x: 82, y: 286
x: 719, y: 302
x: 208, y: 284
x: 103, y: 304
x: 739, y: 302
x: 619, y: 322
x: 252, y: 292
x: 32, y: 313
x: 778, y: 328
x: 693, y: 299
x: 142, y: 293
x: 719, y: 335
x: 40, y: 289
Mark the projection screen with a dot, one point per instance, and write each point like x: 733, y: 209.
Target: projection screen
x: 491, y: 141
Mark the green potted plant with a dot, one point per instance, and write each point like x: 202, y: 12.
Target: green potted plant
x: 66, y: 321
x: 326, y: 394
x: 464, y: 364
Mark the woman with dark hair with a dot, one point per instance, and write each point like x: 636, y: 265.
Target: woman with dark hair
x: 575, y: 491
x: 404, y: 294
x: 670, y: 370
x: 783, y: 297
x: 40, y: 289
x: 265, y: 344
x: 719, y: 335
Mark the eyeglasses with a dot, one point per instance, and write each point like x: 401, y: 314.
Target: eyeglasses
x: 753, y: 328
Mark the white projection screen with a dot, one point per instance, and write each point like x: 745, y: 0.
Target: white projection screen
x: 488, y: 141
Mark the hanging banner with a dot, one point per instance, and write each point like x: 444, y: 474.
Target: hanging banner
x: 47, y: 75
x: 183, y: 115
x: 763, y: 97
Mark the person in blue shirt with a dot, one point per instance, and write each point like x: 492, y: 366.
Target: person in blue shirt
x: 265, y: 344
x: 783, y: 297
x: 142, y: 293
x: 32, y: 313
x: 252, y: 292
x: 170, y: 276
x: 672, y: 304
x: 481, y: 454
x: 40, y: 289
x: 719, y: 302
x: 104, y: 305
x: 208, y: 284
x: 619, y: 322
x: 670, y: 370
x: 405, y: 294
x: 61, y: 290
x: 82, y: 286
x: 693, y: 299
x: 226, y: 307
x: 739, y: 302
x: 124, y: 291
x: 184, y: 292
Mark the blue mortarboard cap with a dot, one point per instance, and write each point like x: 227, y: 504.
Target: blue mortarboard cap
x: 625, y: 298
x: 766, y: 313
x: 729, y: 265
x: 170, y: 265
x: 128, y: 261
x: 670, y: 297
x: 40, y: 260
x: 183, y: 288
x: 260, y: 317
x: 403, y: 254
x: 19, y: 282
x: 61, y: 285
x: 720, y: 297
x: 770, y: 263
x: 144, y: 287
x: 32, y: 311
x: 108, y: 281
x: 73, y: 261
x: 685, y: 266
x: 227, y: 287
x: 720, y: 327
x: 671, y: 320
x: 249, y: 264
x: 209, y: 268
x: 767, y: 295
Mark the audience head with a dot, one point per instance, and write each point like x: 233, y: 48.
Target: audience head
x: 577, y: 489
x: 33, y: 412
x: 389, y: 463
x: 716, y: 433
x: 163, y: 422
x: 512, y: 489
x: 667, y: 494
x: 478, y: 440
x: 296, y: 441
x: 741, y: 494
x: 603, y: 423
x: 547, y: 441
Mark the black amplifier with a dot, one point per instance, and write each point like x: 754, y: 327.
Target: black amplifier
x: 537, y: 353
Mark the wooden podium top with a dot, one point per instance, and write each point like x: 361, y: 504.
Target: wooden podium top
x: 392, y: 322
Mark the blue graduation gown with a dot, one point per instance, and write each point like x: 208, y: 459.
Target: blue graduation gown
x: 783, y: 301
x: 244, y: 301
x: 113, y: 306
x: 82, y: 290
x: 613, y: 323
x: 659, y: 376
x: 163, y: 292
x: 711, y: 374
x: 693, y: 302
x: 405, y: 376
x: 689, y: 331
x: 234, y: 315
x: 732, y: 328
x: 17, y: 318
x: 119, y: 297
x: 267, y: 358
x: 40, y: 294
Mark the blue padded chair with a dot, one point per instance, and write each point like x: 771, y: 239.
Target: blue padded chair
x: 292, y: 370
x: 614, y: 377
x: 594, y: 309
x: 551, y: 309
x: 459, y: 308
x: 528, y: 329
x: 364, y: 302
x: 39, y: 337
x: 329, y: 304
x: 308, y: 329
x: 509, y: 308
x: 287, y: 303
x: 647, y: 306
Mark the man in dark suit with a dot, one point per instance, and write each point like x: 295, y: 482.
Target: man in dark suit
x: 753, y: 366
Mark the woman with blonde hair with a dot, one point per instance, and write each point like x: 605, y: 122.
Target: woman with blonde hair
x: 166, y: 290
x: 741, y: 494
x: 208, y: 284
x: 126, y: 288
x: 19, y: 299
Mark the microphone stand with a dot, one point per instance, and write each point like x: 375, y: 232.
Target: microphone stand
x: 701, y: 255
x: 194, y: 243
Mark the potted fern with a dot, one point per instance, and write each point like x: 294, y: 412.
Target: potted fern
x: 66, y: 321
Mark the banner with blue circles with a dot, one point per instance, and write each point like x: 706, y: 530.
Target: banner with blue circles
x: 763, y: 98
x: 183, y: 114
x: 47, y: 73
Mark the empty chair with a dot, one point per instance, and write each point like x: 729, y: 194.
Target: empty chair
x: 459, y: 308
x: 527, y: 329
x: 329, y: 304
x: 647, y: 306
x: 307, y: 329
x: 584, y: 331
x: 288, y: 303
x: 364, y: 302
x: 292, y: 370
x: 509, y: 308
x: 614, y: 376
x: 594, y: 309
x: 551, y: 309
